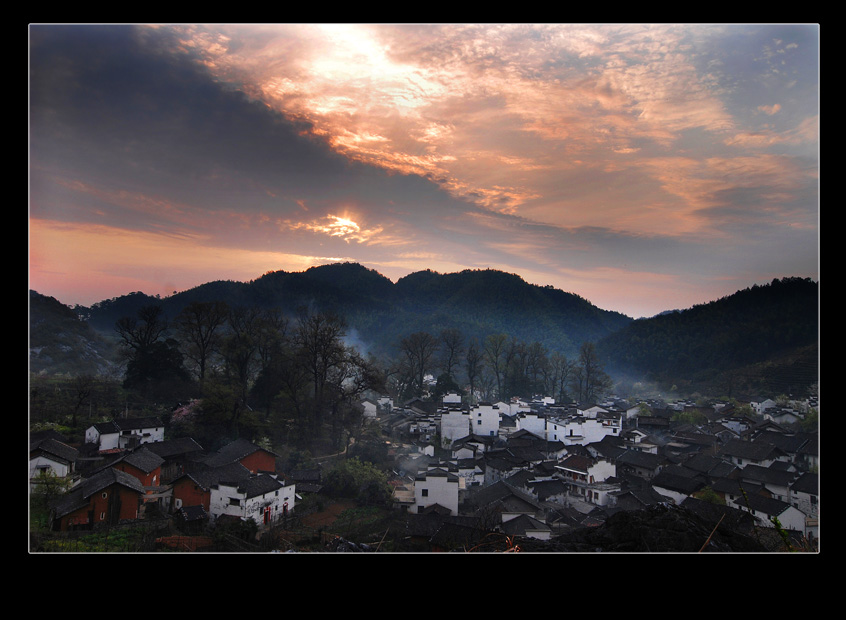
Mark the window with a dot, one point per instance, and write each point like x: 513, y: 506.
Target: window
x: 234, y: 501
x: 424, y: 492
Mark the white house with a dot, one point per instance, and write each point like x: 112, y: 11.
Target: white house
x: 527, y: 526
x: 805, y: 494
x: 455, y: 425
x: 783, y: 415
x: 470, y: 470
x: 51, y: 459
x: 590, y: 410
x: 125, y: 433
x: 766, y: 509
x: 452, y: 399
x: 484, y: 419
x: 436, y: 486
x: 579, y: 430
x: 533, y: 422
x: 261, y: 497
x: 759, y: 405
x: 586, y: 476
x: 370, y: 408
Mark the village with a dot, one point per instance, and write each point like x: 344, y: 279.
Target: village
x: 533, y: 469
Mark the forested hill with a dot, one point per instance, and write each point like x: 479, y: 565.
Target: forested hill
x: 61, y: 343
x: 763, y: 337
x: 379, y: 312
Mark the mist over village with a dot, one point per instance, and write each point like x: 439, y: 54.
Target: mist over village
x: 423, y: 288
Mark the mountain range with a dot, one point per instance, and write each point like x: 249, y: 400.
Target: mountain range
x: 757, y: 326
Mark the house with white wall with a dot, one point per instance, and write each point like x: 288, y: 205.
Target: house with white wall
x: 743, y: 453
x: 51, y: 460
x: 579, y: 430
x: 436, y: 486
x: 261, y: 497
x: 484, y: 419
x: 776, y: 481
x: 586, y: 476
x: 759, y: 405
x: 370, y: 408
x: 125, y: 433
x: 766, y: 509
x: 805, y: 493
x: 533, y: 422
x: 590, y: 410
x: 455, y: 425
x: 451, y: 399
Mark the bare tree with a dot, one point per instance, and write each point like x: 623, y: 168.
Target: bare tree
x: 318, y: 340
x: 418, y: 349
x: 200, y: 327
x: 496, y: 353
x: 139, y: 334
x: 474, y: 361
x: 452, y: 346
x: 589, y: 380
x: 557, y: 374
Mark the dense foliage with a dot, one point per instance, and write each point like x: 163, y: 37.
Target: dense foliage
x: 287, y: 357
x: 724, y: 339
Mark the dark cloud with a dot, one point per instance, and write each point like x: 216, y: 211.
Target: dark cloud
x: 108, y: 106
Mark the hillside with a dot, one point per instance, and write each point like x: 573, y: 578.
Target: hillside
x: 380, y: 313
x: 760, y: 338
x: 764, y: 338
x: 59, y: 342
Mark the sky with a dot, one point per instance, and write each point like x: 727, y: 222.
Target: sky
x: 644, y: 167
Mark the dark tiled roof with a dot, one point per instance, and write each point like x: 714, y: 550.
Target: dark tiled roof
x: 143, y: 459
x: 55, y: 448
x: 675, y: 482
x: 174, y: 447
x: 437, y: 472
x: 576, y: 463
x: 807, y: 483
x: 127, y: 424
x: 766, y: 475
x: 768, y: 505
x: 521, y: 525
x: 639, y: 459
x: 259, y: 485
x: 233, y: 452
x: 753, y: 450
x: 78, y: 497
x: 548, y: 488
x: 231, y: 472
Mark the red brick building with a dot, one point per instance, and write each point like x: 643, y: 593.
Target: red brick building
x: 107, y: 498
x: 248, y: 454
x: 194, y: 488
x: 143, y: 465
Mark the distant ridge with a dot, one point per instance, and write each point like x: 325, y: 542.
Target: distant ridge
x: 735, y: 340
x: 761, y: 337
x: 478, y: 302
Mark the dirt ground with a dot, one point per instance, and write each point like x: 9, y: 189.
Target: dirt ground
x: 327, y: 517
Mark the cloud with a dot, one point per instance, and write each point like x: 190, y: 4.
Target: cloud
x: 610, y: 149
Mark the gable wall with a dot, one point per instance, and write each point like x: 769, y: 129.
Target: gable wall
x: 99, y: 508
x: 259, y: 461
x: 190, y: 494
